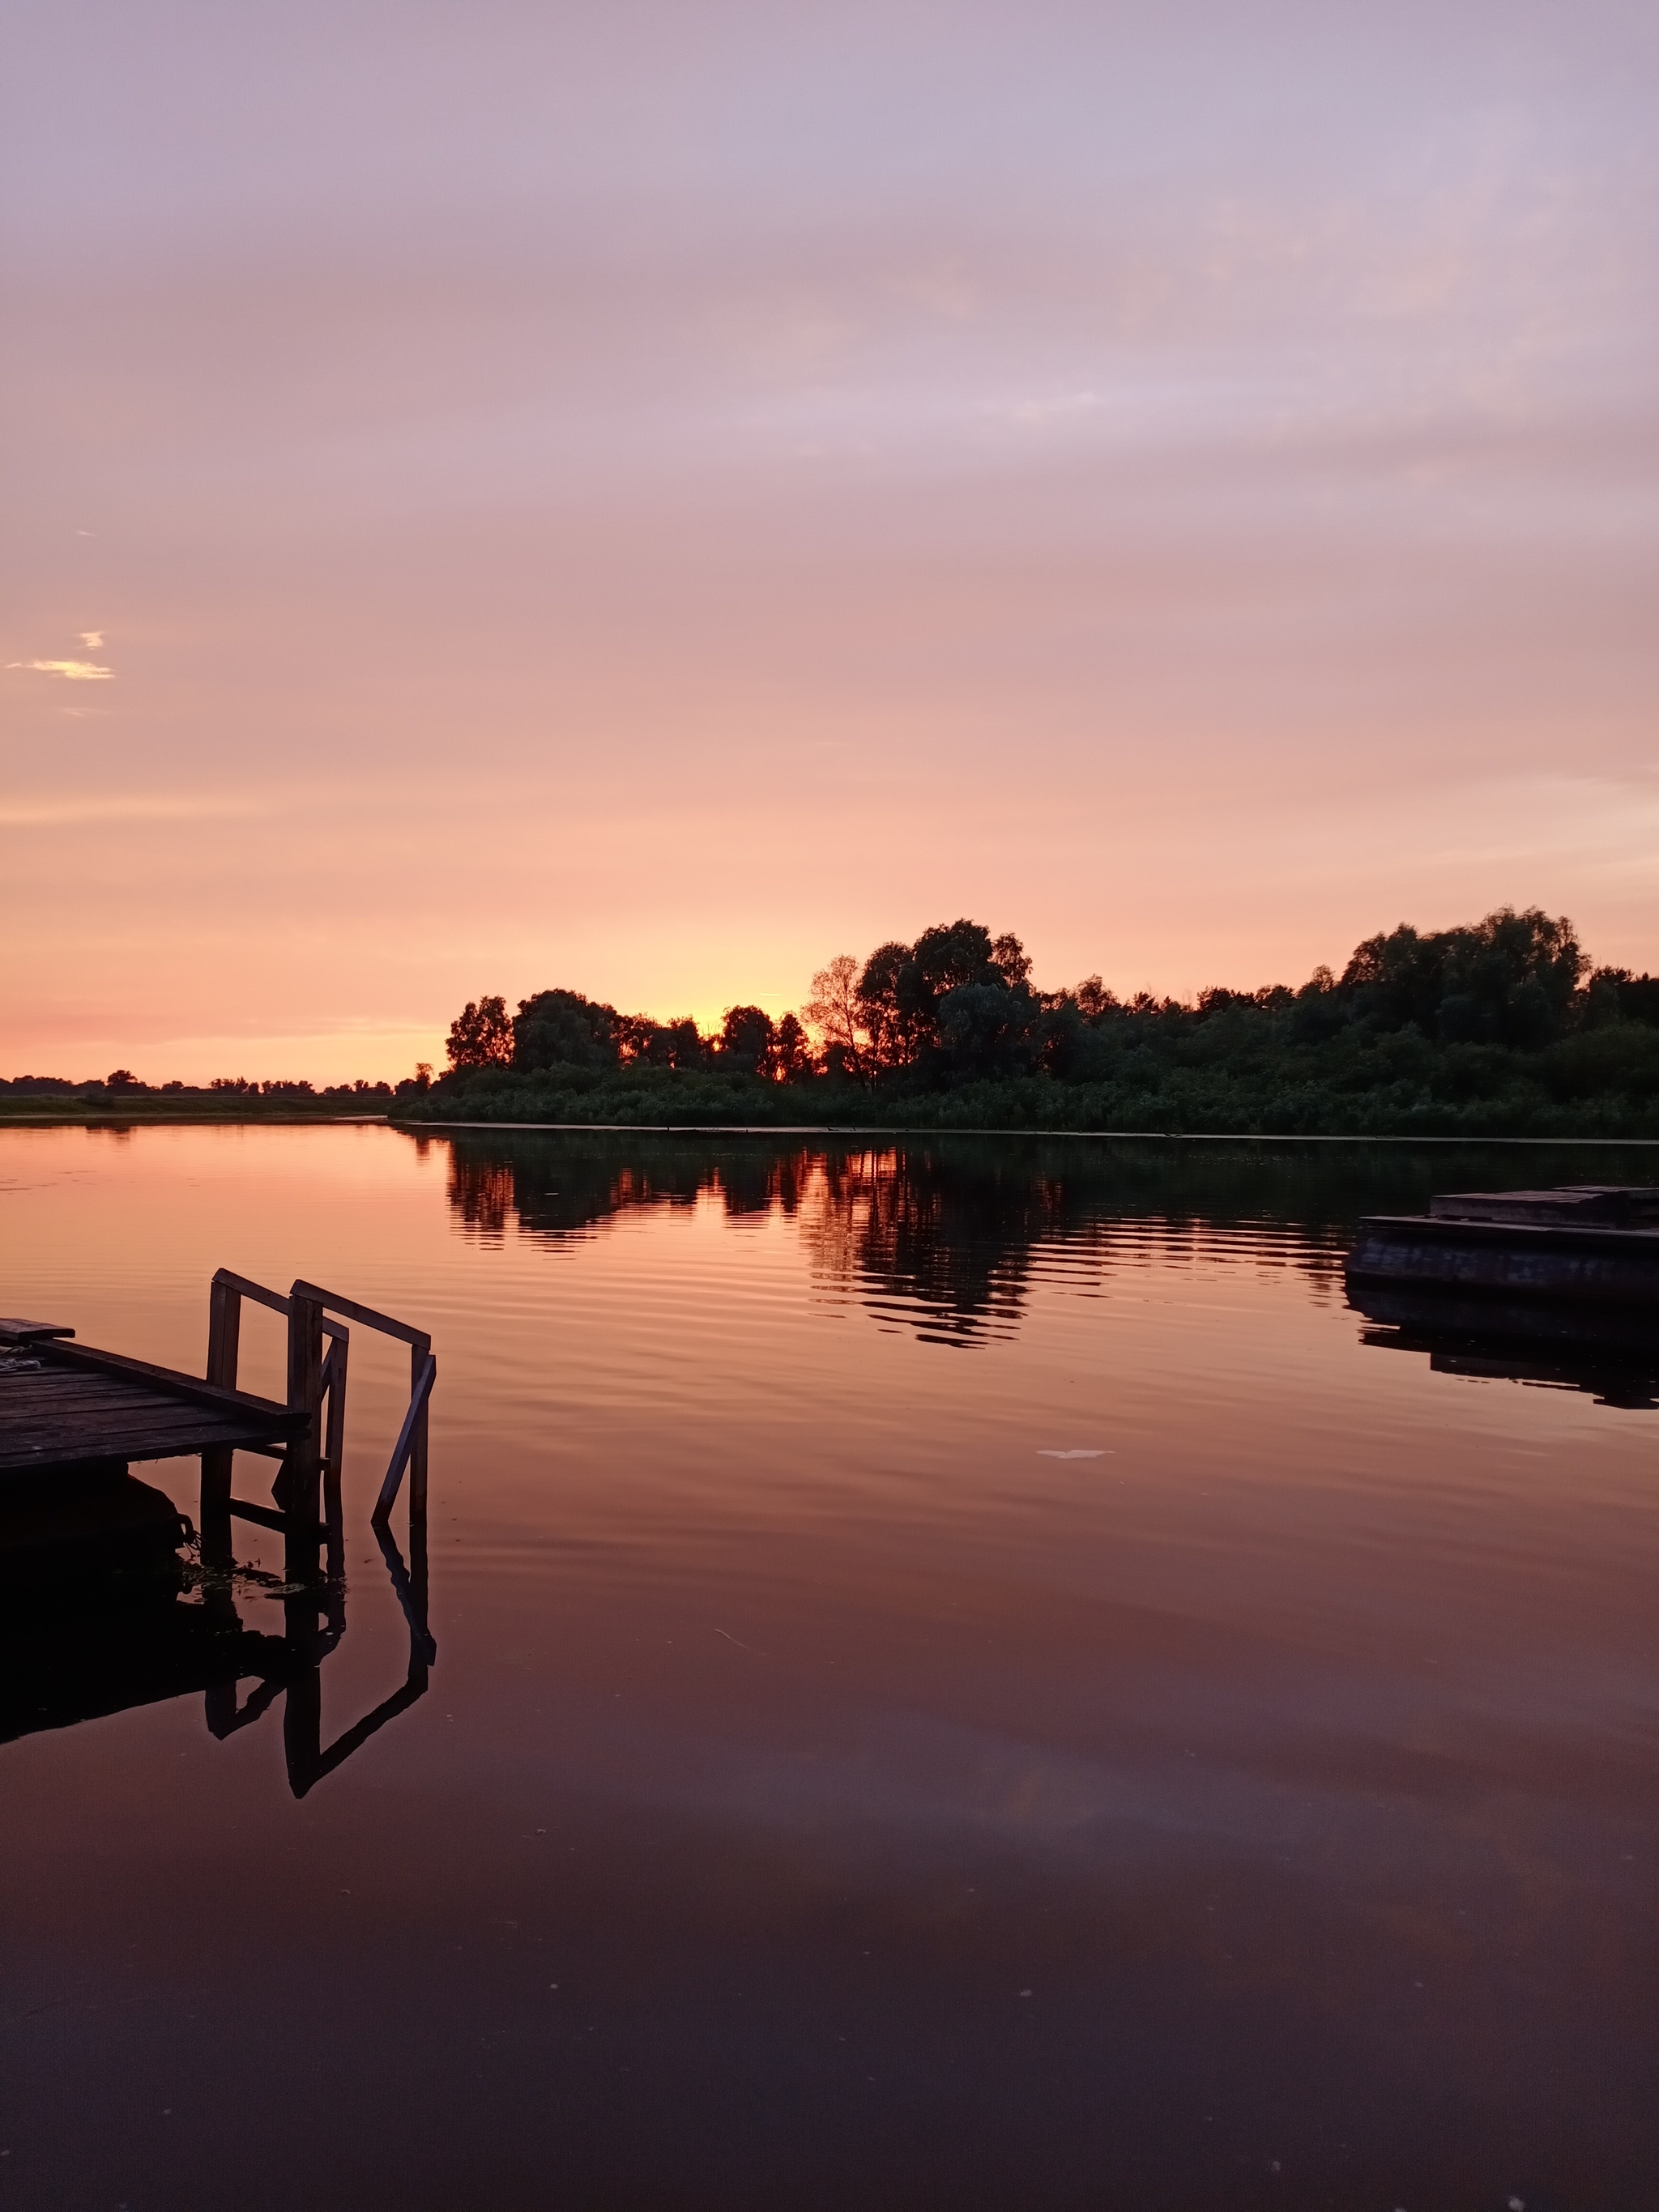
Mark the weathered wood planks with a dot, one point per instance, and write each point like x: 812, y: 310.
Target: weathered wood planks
x: 15, y: 1331
x: 67, y: 1404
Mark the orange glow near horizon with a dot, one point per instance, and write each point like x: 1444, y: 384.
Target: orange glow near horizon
x: 488, y: 514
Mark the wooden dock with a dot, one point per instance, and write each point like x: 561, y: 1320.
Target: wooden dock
x: 90, y: 1559
x: 1590, y: 1244
x: 63, y: 1405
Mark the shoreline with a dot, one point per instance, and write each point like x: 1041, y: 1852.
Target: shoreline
x: 128, y: 1120
x: 908, y: 1129
x: 829, y: 1129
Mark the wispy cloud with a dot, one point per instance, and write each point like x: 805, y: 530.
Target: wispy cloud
x: 92, y: 638
x: 51, y: 813
x: 73, y: 672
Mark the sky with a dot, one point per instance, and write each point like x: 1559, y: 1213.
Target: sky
x: 647, y: 498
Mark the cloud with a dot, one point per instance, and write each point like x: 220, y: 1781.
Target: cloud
x: 93, y: 639
x: 73, y: 672
x: 53, y: 812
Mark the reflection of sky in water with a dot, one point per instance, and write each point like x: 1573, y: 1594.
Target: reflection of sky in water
x: 798, y: 1707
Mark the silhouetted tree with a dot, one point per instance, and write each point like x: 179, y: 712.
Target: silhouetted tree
x: 834, y: 1011
x: 748, y: 1039
x: 890, y: 1005
x: 1509, y: 979
x: 681, y: 1043
x: 903, y: 987
x: 1012, y: 961
x: 644, y: 1042
x: 564, y: 1029
x: 1627, y: 998
x: 481, y: 1034
x: 793, y: 1052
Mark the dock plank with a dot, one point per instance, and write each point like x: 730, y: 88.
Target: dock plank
x: 66, y: 1410
x: 15, y: 1330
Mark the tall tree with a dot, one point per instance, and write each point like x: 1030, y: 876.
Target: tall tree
x: 794, y: 1052
x: 481, y: 1034
x: 834, y: 1011
x: 902, y: 987
x: 564, y: 1029
x: 636, y: 1036
x: 748, y: 1039
x: 1509, y: 978
x: 889, y: 997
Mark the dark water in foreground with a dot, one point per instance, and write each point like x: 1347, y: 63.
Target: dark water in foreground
x: 968, y: 1676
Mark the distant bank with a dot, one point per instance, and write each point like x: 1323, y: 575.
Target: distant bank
x: 1228, y: 1105
x: 29, y: 1101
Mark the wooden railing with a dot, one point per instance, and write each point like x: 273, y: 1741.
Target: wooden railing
x: 316, y: 1381
x: 307, y: 1513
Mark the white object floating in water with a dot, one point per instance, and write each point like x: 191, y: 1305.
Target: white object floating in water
x: 1046, y: 1452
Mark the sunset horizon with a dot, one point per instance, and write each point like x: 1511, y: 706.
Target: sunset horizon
x: 344, y: 1056
x: 495, y: 511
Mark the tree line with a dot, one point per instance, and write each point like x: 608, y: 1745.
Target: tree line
x: 121, y: 1086
x: 1500, y: 1026
x: 565, y: 1029
x: 958, y: 1006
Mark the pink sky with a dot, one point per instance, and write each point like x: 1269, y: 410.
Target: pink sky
x: 646, y: 498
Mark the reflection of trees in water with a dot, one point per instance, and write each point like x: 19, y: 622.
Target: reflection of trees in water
x: 950, y: 1234
x: 561, y: 1191
x: 484, y: 1192
x: 959, y: 1234
x: 915, y: 1236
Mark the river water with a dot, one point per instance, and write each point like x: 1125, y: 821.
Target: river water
x: 967, y: 1674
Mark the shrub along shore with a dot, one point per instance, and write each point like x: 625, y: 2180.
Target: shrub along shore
x: 1269, y: 1094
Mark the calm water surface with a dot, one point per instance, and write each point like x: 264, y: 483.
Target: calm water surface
x: 968, y: 1676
